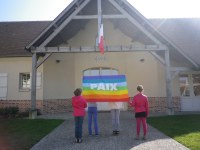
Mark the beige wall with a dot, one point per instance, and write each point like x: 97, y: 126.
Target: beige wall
x: 13, y: 67
x: 137, y: 72
x: 87, y: 36
x: 59, y: 78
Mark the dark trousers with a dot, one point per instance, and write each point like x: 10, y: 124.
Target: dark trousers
x: 78, y: 126
x: 92, y: 114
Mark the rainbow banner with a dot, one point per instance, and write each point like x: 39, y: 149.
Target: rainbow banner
x: 110, y: 88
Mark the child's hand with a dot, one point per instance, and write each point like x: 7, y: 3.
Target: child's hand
x: 130, y: 101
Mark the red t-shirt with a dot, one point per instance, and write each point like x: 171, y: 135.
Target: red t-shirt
x: 79, y: 104
x: 140, y: 102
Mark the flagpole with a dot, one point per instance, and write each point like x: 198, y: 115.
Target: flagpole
x: 99, y: 18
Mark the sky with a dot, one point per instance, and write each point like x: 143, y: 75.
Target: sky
x: 37, y: 10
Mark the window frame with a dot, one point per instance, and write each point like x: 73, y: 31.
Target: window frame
x: 100, y: 70
x: 191, y: 84
x: 21, y: 88
x: 38, y: 81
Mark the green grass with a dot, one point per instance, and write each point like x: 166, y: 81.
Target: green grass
x: 185, y: 128
x: 22, y: 134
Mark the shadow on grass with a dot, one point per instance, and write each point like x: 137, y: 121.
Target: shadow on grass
x: 22, y: 134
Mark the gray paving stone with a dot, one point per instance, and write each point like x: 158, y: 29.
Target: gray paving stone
x: 62, y: 138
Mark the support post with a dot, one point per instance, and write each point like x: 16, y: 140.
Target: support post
x: 168, y: 83
x: 33, y: 111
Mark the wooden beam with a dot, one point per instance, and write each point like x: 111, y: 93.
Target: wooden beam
x: 52, y: 23
x: 96, y: 17
x: 130, y: 48
x: 159, y: 58
x: 33, y: 111
x: 168, y: 84
x: 132, y: 20
x: 50, y: 37
x: 174, y: 74
x: 180, y: 69
x: 161, y: 34
x: 43, y: 59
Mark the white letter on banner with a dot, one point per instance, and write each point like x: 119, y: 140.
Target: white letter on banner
x: 101, y: 86
x: 107, y: 86
x: 93, y: 86
x: 113, y: 87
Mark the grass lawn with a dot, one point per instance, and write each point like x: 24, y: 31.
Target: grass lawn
x: 184, y: 128
x: 22, y: 134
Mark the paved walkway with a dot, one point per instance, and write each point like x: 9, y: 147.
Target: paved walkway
x: 62, y: 138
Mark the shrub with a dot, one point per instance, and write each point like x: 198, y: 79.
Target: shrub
x: 9, y: 111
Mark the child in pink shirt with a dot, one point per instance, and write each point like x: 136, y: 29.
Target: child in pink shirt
x: 79, y: 104
x: 140, y: 103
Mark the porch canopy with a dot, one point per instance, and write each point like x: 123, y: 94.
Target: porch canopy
x: 123, y: 17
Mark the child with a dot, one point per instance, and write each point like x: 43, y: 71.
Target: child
x: 140, y: 102
x: 79, y: 104
x: 115, y: 113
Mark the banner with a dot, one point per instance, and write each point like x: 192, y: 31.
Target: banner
x: 110, y: 88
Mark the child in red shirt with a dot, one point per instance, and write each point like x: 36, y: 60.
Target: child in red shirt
x: 79, y: 104
x: 141, y: 105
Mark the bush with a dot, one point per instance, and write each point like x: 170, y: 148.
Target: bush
x: 9, y: 111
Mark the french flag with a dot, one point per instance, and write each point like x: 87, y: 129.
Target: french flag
x: 101, y: 40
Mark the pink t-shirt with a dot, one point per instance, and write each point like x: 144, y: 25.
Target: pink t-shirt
x: 140, y: 102
x: 79, y: 104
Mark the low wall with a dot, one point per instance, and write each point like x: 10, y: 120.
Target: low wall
x: 23, y: 105
x: 156, y: 104
x: 159, y: 104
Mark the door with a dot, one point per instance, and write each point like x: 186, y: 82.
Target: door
x: 190, y: 91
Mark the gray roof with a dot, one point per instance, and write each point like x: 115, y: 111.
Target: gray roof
x: 14, y: 36
x: 183, y: 32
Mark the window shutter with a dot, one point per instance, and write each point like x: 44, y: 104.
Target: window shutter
x: 3, y: 86
x: 38, y: 80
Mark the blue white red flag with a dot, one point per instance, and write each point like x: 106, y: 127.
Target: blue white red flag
x: 101, y: 40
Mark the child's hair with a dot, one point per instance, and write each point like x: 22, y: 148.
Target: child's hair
x: 78, y: 92
x: 140, y: 88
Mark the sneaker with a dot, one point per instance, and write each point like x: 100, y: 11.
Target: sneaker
x: 76, y: 140
x: 96, y: 134
x: 137, y: 138
x: 144, y: 137
x: 114, y: 132
x: 80, y: 140
x: 117, y: 132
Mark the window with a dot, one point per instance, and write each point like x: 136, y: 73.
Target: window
x: 184, y: 85
x: 100, y: 71
x: 189, y: 84
x: 25, y: 81
x: 196, y: 84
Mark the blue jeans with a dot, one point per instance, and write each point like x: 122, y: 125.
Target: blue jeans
x: 78, y: 126
x: 92, y: 114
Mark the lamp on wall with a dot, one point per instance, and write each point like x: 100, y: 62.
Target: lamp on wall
x: 57, y: 61
x: 142, y: 60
